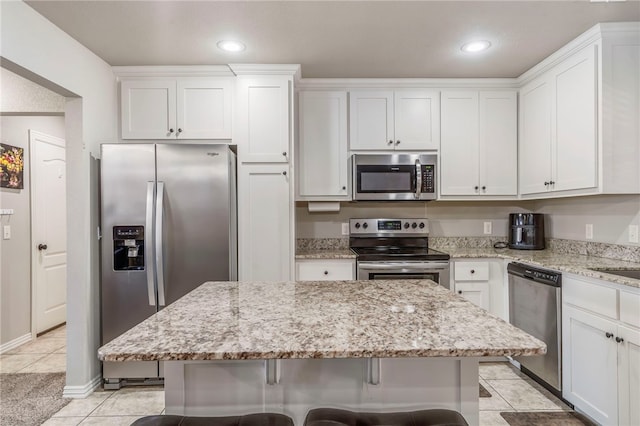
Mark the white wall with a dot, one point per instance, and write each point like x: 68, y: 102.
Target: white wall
x: 15, y: 254
x: 20, y: 95
x: 42, y: 51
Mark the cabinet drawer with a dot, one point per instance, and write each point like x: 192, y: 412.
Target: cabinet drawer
x: 312, y: 270
x: 599, y: 299
x: 471, y: 271
x: 630, y: 308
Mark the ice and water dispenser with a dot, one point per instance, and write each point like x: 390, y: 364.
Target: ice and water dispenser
x: 128, y: 248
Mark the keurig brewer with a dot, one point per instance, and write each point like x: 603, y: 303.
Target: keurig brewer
x: 526, y: 231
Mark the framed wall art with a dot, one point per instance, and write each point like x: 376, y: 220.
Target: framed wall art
x: 11, y: 166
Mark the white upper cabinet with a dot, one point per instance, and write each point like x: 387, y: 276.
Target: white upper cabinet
x: 323, y: 157
x: 394, y: 120
x: 263, y: 126
x: 478, y: 143
x: 579, y: 110
x: 177, y: 108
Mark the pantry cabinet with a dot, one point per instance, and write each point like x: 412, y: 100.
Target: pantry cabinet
x: 176, y: 108
x: 601, y: 350
x: 263, y: 122
x: 394, y: 120
x: 322, y: 149
x: 478, y: 153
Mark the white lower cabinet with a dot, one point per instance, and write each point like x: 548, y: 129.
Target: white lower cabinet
x: 601, y: 351
x: 264, y: 232
x: 481, y: 281
x: 325, y: 269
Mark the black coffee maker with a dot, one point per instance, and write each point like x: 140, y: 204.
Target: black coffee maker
x: 526, y: 231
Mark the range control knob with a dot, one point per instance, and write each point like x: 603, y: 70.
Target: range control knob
x: 421, y: 225
x: 365, y: 226
x: 414, y: 225
x: 406, y: 225
x: 357, y: 225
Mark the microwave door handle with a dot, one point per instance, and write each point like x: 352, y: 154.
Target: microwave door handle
x: 418, y: 179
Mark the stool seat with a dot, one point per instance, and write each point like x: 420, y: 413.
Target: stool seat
x: 337, y: 417
x: 258, y: 419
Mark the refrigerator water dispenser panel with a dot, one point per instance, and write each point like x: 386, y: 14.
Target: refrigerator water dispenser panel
x: 128, y: 248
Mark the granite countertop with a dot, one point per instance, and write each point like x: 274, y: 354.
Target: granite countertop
x: 320, y: 319
x: 572, y: 263
x: 325, y: 254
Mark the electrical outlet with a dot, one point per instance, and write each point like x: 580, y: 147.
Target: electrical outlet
x: 6, y: 232
x: 589, y: 231
x: 487, y: 228
x: 345, y: 228
x: 633, y: 233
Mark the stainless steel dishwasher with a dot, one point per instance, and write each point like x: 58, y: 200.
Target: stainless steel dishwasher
x: 535, y: 301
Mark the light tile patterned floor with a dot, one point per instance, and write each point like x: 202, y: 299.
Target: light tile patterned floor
x: 510, y: 389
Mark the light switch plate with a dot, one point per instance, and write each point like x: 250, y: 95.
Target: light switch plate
x: 6, y: 232
x: 487, y: 228
x: 345, y: 228
x: 633, y: 233
x: 589, y: 231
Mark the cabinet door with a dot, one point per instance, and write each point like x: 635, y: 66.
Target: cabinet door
x: 475, y: 292
x: 575, y: 152
x: 589, y: 364
x: 498, y: 127
x: 534, y: 159
x: 148, y: 109
x: 459, y: 143
x: 323, y: 167
x: 371, y: 120
x: 264, y: 223
x: 204, y: 108
x: 325, y: 270
x: 416, y: 125
x: 629, y: 376
x: 263, y: 125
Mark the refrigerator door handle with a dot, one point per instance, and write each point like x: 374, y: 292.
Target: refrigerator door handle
x: 148, y: 243
x: 159, y: 245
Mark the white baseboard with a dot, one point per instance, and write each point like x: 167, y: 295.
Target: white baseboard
x: 82, y: 391
x: 6, y: 347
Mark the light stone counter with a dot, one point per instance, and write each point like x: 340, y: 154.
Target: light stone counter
x: 328, y: 319
x: 572, y: 263
x: 325, y: 254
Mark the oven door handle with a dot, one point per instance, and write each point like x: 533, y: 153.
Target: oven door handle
x: 404, y: 266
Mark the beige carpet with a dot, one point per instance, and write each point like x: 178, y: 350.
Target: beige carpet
x: 546, y: 418
x: 28, y: 399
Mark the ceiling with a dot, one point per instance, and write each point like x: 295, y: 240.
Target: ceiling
x: 348, y: 39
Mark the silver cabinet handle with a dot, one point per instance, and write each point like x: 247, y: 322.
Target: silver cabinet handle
x: 429, y: 266
x: 159, y: 245
x: 418, y: 179
x: 148, y: 244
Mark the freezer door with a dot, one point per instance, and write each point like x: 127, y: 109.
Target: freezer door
x: 127, y: 182
x: 194, y: 217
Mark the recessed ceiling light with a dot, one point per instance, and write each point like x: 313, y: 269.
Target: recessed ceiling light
x: 231, y: 45
x: 475, y: 46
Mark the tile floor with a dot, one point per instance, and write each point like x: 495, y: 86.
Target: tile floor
x: 510, y: 390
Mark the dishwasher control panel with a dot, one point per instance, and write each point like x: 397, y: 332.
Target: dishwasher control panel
x: 535, y: 274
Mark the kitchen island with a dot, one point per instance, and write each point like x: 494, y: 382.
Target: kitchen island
x: 239, y: 347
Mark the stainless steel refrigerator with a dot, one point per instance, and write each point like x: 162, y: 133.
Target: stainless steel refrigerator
x: 169, y: 223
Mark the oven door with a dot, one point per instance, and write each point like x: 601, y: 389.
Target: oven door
x: 407, y: 270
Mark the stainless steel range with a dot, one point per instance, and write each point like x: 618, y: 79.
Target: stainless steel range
x: 396, y: 249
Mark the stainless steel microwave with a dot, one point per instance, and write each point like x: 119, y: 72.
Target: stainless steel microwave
x: 394, y: 177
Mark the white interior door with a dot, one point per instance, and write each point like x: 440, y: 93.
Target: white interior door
x: 49, y: 231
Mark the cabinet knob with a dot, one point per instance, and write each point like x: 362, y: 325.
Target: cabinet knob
x: 170, y: 131
x: 609, y: 335
x: 326, y: 272
x: 484, y: 188
x: 546, y: 184
x: 179, y: 130
x: 397, y: 142
x: 390, y: 142
x: 619, y: 339
x: 284, y: 154
x: 42, y: 247
x: 552, y: 183
x: 459, y: 291
x: 475, y: 187
x: 344, y: 188
x: 473, y: 271
x: 284, y: 173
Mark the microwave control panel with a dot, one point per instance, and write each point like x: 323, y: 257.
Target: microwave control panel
x: 428, y: 178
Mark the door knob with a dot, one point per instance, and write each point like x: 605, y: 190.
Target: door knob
x: 42, y: 247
